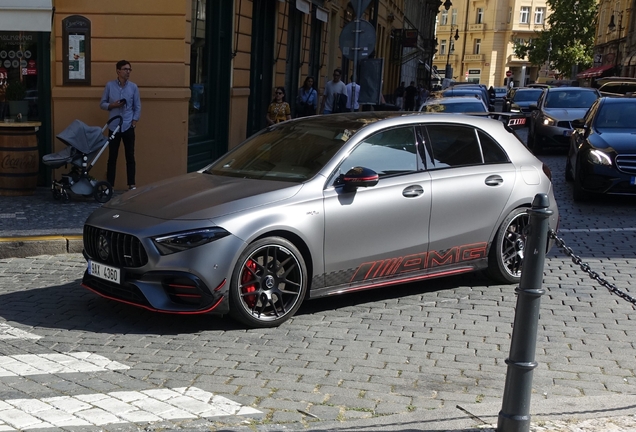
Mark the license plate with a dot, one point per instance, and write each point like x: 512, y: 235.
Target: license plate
x: 633, y: 181
x: 102, y: 271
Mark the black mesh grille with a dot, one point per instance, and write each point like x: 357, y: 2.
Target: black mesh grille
x: 113, y: 248
x: 626, y: 163
x: 127, y: 292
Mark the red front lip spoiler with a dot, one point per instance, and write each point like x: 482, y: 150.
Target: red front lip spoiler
x: 198, y: 312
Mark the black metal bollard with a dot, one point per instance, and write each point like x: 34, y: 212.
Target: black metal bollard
x: 515, y: 410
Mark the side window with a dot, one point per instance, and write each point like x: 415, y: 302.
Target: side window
x: 390, y: 152
x: 454, y: 146
x: 492, y: 152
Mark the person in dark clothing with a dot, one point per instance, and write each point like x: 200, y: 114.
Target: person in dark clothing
x: 409, y: 97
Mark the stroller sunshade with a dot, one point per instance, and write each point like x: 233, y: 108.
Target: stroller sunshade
x: 86, y: 139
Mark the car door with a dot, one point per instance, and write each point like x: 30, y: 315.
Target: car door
x: 471, y: 182
x: 370, y: 231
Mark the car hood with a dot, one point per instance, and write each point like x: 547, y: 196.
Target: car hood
x: 202, y: 196
x: 621, y: 142
x: 566, y: 113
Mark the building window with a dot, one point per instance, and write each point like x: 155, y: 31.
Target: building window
x: 539, y: 14
x: 480, y: 15
x: 442, y: 47
x: 477, y: 49
x: 452, y: 46
x: 444, y: 17
x: 454, y: 17
x: 525, y: 14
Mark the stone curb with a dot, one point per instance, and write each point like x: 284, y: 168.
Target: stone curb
x: 22, y: 247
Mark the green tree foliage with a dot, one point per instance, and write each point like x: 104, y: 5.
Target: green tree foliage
x: 568, y: 41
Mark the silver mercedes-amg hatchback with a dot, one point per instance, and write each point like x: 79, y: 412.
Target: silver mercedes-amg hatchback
x: 319, y: 206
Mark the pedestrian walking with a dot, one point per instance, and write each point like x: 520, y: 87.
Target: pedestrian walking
x: 278, y: 110
x: 410, y: 93
x: 331, y: 98
x: 307, y: 100
x: 399, y: 96
x: 353, y: 93
x: 121, y: 97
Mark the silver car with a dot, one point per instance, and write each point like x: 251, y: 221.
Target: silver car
x: 552, y: 115
x: 319, y: 206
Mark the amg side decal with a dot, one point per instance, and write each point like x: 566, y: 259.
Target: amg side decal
x: 420, y: 261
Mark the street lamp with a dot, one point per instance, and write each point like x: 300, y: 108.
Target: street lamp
x: 611, y: 26
x: 451, y: 47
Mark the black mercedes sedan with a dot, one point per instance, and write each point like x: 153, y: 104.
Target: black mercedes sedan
x: 602, y: 154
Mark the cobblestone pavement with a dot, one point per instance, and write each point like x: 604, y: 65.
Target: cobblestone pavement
x: 409, y: 350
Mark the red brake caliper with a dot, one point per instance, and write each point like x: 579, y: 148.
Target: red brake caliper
x: 245, y: 278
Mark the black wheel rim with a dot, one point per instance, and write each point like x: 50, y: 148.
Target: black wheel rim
x: 513, y: 244
x: 103, y: 192
x: 270, y: 283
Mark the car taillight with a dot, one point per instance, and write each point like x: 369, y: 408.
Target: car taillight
x: 547, y: 172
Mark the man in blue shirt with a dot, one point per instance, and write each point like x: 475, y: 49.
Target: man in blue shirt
x: 121, y: 97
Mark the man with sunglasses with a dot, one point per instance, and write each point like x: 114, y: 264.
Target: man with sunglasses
x: 332, y: 89
x: 121, y: 97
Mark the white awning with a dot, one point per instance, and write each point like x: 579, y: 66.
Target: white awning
x: 26, y: 15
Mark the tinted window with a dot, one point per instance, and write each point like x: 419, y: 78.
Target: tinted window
x: 464, y: 107
x: 388, y: 153
x: 570, y: 99
x: 491, y: 150
x: 526, y: 96
x: 453, y: 146
x: 617, y: 115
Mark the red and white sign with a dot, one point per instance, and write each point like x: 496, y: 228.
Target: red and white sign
x: 508, y: 74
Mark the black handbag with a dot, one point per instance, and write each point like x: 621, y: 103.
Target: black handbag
x: 304, y: 109
x: 339, y: 103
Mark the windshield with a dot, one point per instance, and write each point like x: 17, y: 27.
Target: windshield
x: 527, y: 96
x: 617, y: 115
x: 291, y: 151
x: 570, y: 99
x: 464, y: 107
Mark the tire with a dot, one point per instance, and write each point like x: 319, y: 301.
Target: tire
x: 578, y: 194
x: 103, y: 191
x: 507, y: 250
x: 568, y: 170
x: 269, y: 283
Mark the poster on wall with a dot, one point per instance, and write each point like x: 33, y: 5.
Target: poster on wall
x: 76, y: 57
x: 77, y: 50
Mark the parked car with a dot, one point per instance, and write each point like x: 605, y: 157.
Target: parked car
x: 519, y: 99
x: 617, y: 88
x: 468, y: 91
x: 463, y: 86
x: 500, y: 93
x: 319, y: 206
x: 602, y: 153
x: 551, y: 117
x: 458, y: 104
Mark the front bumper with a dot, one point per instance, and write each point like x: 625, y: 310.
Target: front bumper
x: 604, y: 179
x: 557, y: 136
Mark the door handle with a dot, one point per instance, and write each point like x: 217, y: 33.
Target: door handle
x: 494, y: 180
x: 413, y: 191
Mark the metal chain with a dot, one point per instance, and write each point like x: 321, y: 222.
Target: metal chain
x: 586, y: 268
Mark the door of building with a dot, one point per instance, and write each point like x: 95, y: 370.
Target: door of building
x: 210, y: 71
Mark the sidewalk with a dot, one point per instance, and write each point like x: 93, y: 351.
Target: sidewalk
x: 39, y: 225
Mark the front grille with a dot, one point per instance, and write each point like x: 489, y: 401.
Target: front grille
x: 626, y: 164
x: 564, y: 124
x: 113, y: 248
x: 127, y: 292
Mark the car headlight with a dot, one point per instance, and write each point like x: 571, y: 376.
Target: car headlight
x: 515, y: 108
x: 177, y: 242
x: 599, y: 158
x: 549, y: 121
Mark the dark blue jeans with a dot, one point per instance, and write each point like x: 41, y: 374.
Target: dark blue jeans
x: 129, y: 151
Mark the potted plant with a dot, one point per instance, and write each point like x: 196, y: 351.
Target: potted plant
x: 15, y: 95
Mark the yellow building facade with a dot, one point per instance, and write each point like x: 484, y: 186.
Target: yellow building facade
x: 476, y: 39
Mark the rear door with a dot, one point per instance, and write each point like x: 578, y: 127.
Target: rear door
x: 471, y: 182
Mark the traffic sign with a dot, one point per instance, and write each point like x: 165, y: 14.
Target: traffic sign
x: 366, y: 40
x: 508, y: 73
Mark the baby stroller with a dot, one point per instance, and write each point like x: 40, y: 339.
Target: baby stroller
x: 85, y: 144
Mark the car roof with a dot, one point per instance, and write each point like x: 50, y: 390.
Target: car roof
x: 566, y: 88
x: 453, y: 100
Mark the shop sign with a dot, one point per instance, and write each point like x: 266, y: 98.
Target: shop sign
x: 31, y: 68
